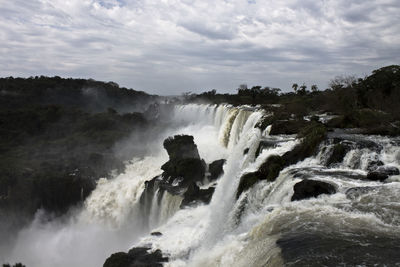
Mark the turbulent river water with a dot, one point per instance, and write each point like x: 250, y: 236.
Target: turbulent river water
x: 359, y: 225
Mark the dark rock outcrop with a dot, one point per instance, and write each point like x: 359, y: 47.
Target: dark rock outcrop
x: 269, y: 170
x: 382, y: 173
x: 287, y: 126
x: 355, y: 142
x: 373, y: 165
x: 338, y: 153
x: 188, y: 169
x: 216, y: 169
x: 194, y: 194
x: 181, y: 147
x: 184, y: 160
x: 312, y: 136
x: 156, y: 234
x: 311, y: 188
x: 136, y: 257
x: 184, y: 170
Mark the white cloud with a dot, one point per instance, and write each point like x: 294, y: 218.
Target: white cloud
x: 172, y: 46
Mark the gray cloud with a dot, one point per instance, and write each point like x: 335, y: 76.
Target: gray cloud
x: 169, y: 47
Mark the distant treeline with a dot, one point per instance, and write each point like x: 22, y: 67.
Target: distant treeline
x: 88, y: 95
x: 379, y: 91
x: 371, y: 103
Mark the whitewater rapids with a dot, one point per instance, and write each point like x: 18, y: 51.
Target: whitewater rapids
x: 261, y: 228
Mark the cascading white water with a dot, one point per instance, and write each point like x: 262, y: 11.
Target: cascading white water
x: 245, y: 232
x: 227, y: 232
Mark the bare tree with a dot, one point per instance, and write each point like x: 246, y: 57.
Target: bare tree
x: 342, y: 81
x: 295, y: 86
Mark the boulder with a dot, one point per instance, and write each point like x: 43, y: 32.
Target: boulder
x: 181, y: 147
x: 373, y: 165
x: 382, y: 173
x: 248, y: 180
x: 338, y: 153
x: 194, y: 194
x: 156, y: 234
x: 189, y: 169
x: 136, y: 257
x: 288, y: 126
x: 269, y: 170
x: 184, y: 160
x: 216, y: 169
x: 312, y: 136
x: 311, y: 188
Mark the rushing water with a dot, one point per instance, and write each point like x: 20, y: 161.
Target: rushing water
x: 262, y: 228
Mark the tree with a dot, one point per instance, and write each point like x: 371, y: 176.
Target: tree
x: 295, y: 86
x: 242, y: 89
x: 314, y: 88
x: 342, y: 81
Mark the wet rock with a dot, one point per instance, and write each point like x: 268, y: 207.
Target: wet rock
x: 338, y: 153
x: 136, y: 257
x: 311, y: 188
x: 307, y: 173
x: 389, y: 170
x: 194, y: 195
x: 369, y: 144
x: 265, y: 144
x: 373, y: 165
x: 356, y: 142
x: 311, y: 136
x: 156, y: 234
x: 181, y: 147
x: 216, y: 169
x: 269, y: 170
x: 184, y: 160
x: 190, y: 169
x: 382, y: 173
x: 248, y: 180
x: 287, y: 126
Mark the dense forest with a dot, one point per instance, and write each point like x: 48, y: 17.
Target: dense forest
x: 58, y: 136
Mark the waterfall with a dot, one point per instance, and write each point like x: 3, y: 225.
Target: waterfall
x: 257, y: 229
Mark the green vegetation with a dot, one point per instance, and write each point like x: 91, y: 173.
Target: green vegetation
x: 369, y: 103
x: 57, y: 137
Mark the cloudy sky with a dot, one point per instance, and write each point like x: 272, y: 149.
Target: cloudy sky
x: 175, y: 46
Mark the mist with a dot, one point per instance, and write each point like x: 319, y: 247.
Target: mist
x: 111, y: 218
